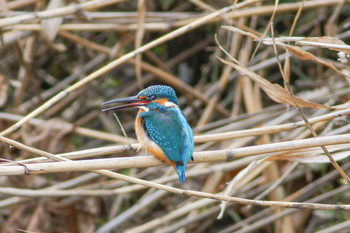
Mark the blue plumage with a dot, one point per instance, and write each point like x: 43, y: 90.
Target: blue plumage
x: 161, y: 127
x: 169, y: 129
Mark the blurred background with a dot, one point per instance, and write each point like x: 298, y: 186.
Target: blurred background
x: 46, y: 46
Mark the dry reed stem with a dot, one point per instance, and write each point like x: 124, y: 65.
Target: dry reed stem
x: 203, y: 5
x: 239, y: 13
x: 141, y: 8
x: 67, y: 10
x: 78, y: 130
x: 308, y: 190
x: 62, y: 185
x: 202, y: 203
x: 179, y: 212
x: 286, y: 65
x: 278, y: 181
x: 149, y: 161
x: 253, y: 103
x: 18, y: 4
x: 271, y: 218
x: 54, y: 193
x: 133, y: 188
x: 142, y: 205
x: 96, y: 27
x: 198, y: 139
x: 190, y: 220
x: 282, y: 8
x: 217, y: 197
x: 313, y: 132
x: 322, y: 45
x: 176, y: 191
x: 344, y: 226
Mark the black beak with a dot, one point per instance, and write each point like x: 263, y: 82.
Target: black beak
x: 130, y: 102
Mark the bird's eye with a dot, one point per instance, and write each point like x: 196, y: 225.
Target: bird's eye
x: 152, y: 97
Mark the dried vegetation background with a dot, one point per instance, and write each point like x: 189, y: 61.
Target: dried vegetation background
x: 60, y: 59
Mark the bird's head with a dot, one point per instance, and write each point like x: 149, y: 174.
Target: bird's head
x: 158, y: 93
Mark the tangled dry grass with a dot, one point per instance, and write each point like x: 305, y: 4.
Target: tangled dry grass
x: 264, y: 84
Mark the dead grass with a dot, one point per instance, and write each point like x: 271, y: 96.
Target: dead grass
x: 260, y: 165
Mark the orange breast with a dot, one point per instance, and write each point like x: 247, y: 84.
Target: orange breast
x: 147, y: 143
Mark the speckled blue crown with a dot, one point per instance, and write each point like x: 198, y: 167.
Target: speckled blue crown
x: 160, y: 91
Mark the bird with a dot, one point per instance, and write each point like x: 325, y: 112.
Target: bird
x: 161, y: 127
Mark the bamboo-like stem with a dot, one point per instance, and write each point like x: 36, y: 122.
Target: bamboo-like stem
x: 66, y: 10
x: 187, y: 17
x: 197, y: 139
x: 19, y: 3
x: 54, y: 193
x: 140, y: 32
x: 98, y: 27
x: 148, y: 161
x: 281, y: 8
x: 218, y: 197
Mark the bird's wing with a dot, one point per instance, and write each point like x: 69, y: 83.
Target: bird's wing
x: 187, y: 143
x: 171, y: 132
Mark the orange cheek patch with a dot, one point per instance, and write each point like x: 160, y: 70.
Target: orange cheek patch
x: 161, y: 101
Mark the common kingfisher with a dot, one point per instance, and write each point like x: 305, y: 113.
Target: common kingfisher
x: 161, y: 127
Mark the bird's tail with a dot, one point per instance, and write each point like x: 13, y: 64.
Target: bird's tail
x: 181, y: 172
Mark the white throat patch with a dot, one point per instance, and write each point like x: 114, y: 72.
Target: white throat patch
x: 166, y: 104
x: 169, y: 104
x: 144, y: 108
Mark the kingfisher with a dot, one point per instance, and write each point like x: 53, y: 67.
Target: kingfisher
x: 161, y: 127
